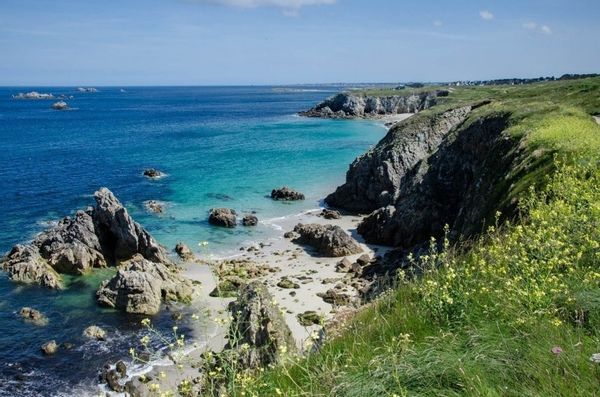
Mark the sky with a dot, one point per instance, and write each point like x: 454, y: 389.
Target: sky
x: 262, y: 42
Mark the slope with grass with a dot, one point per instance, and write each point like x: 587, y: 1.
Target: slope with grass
x: 515, y: 310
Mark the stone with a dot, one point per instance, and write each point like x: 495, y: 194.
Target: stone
x: 60, y: 105
x: 184, y: 252
x: 153, y: 173
x: 258, y: 323
x: 335, y: 298
x: 228, y: 287
x: 49, y: 348
x: 308, y: 318
x: 290, y: 235
x: 154, y: 206
x: 327, y: 240
x: 330, y: 214
x: 141, y: 285
x: 286, y: 194
x: 94, y: 332
x: 363, y: 260
x: 34, y: 316
x: 24, y: 264
x: 224, y: 217
x: 286, y: 283
x: 121, y: 369
x: 343, y: 266
x: 250, y: 220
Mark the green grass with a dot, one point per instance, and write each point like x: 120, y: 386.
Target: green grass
x: 516, y: 312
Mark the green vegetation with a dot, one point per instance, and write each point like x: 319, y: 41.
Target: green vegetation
x: 516, y: 312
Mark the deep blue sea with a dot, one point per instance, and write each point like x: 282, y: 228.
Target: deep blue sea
x: 219, y: 146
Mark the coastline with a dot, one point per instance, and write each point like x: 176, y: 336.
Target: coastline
x: 313, y: 274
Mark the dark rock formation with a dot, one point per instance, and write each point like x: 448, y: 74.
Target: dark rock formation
x: 343, y: 266
x: 286, y: 283
x: 224, y: 217
x: 327, y: 240
x: 140, y: 286
x: 429, y: 171
x: 154, y: 206
x: 335, y: 298
x: 24, y: 264
x: 308, y: 318
x: 153, y: 173
x: 330, y: 214
x: 250, y: 220
x: 184, y: 252
x: 34, y: 316
x: 286, y: 194
x: 259, y: 324
x: 354, y: 105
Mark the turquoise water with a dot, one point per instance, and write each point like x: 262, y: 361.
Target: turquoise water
x: 219, y: 146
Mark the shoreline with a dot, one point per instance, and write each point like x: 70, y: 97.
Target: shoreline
x: 312, y: 273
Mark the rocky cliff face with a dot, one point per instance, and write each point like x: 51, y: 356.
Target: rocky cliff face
x: 349, y: 105
x: 429, y: 171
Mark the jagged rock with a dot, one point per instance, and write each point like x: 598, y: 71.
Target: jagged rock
x: 154, y: 206
x: 121, y: 369
x: 49, y: 348
x: 352, y: 105
x: 286, y: 283
x: 286, y: 194
x: 328, y: 240
x: 111, y: 377
x: 330, y: 214
x: 259, y: 324
x: 343, y: 266
x: 67, y: 345
x: 60, y: 105
x: 356, y: 268
x: 24, y: 264
x: 119, y: 230
x: 140, y: 285
x: 250, y: 220
x: 225, y: 217
x: 335, y: 298
x: 309, y: 318
x: 94, y: 332
x: 34, y: 316
x: 96, y: 237
x: 153, y: 173
x: 184, y: 252
x: 290, y: 235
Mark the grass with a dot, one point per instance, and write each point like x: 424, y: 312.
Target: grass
x: 516, y: 311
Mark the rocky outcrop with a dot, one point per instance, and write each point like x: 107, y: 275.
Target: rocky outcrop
x: 184, y: 252
x: 141, y: 285
x: 154, y: 206
x: 153, y: 173
x: 49, y: 348
x: 327, y: 240
x: 432, y: 170
x: 330, y: 214
x: 60, y: 105
x: 286, y: 194
x: 357, y: 105
x: 97, y: 237
x: 94, y: 332
x: 87, y: 89
x: 259, y: 324
x: 33, y: 316
x: 250, y: 220
x: 224, y: 217
x: 33, y: 95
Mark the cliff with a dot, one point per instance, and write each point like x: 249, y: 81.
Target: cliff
x: 362, y: 105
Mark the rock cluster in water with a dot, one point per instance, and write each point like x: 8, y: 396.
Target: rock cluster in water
x: 225, y: 217
x: 60, y: 105
x: 97, y: 237
x: 286, y: 194
x: 32, y: 95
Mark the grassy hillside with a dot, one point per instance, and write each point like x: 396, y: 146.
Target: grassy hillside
x: 515, y: 312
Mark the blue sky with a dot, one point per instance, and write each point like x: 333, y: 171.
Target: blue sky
x: 198, y: 42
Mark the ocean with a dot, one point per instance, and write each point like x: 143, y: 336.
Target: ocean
x: 219, y: 147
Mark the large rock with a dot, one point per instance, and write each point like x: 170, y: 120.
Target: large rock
x: 96, y: 237
x: 140, y: 286
x: 153, y: 173
x: 327, y: 240
x: 259, y: 324
x: 60, y: 105
x: 184, y: 252
x: 49, y: 348
x: 286, y: 194
x: 224, y: 217
x: 34, y: 316
x: 94, y: 332
x: 250, y: 220
x: 357, y: 105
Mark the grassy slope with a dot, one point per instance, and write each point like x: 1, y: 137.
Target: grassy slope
x: 484, y: 319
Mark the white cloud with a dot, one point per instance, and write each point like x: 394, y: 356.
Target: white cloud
x: 437, y: 23
x: 485, y: 14
x: 531, y: 25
